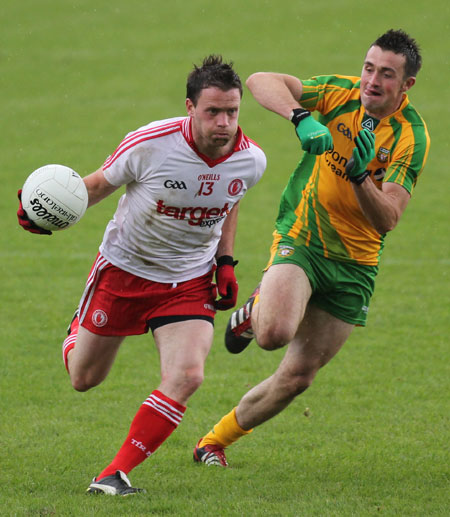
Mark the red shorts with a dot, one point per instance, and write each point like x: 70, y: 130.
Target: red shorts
x: 117, y: 303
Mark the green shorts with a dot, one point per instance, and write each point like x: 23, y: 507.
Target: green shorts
x: 342, y: 289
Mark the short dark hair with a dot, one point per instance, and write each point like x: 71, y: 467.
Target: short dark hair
x: 400, y: 42
x: 213, y: 72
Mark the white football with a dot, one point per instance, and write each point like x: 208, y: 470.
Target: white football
x: 54, y: 197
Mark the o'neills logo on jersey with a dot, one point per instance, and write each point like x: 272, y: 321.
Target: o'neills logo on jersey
x: 195, y: 216
x: 208, y: 177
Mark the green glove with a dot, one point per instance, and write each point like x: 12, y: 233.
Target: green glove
x: 314, y: 136
x: 362, y: 155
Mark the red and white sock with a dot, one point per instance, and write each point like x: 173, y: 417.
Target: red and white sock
x: 154, y: 422
x: 69, y: 342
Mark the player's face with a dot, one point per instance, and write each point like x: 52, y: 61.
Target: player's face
x: 383, y: 82
x: 215, y: 120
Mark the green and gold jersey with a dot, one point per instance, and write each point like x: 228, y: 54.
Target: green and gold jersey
x: 318, y: 206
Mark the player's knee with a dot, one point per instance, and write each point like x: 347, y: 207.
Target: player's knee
x: 185, y: 383
x: 274, y: 337
x: 83, y: 382
x: 80, y: 385
x: 193, y: 380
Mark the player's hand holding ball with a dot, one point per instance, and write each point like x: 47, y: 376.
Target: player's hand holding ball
x: 227, y: 285
x: 314, y: 136
x: 362, y: 155
x: 25, y: 222
x: 54, y: 197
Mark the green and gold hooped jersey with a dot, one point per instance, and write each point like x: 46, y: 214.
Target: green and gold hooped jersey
x: 318, y: 206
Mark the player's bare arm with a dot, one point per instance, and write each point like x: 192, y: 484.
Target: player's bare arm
x: 226, y: 243
x: 280, y: 93
x: 227, y: 286
x: 276, y: 92
x: 382, y: 208
x: 98, y: 187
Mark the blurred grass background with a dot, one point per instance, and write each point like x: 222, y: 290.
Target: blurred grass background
x: 75, y: 77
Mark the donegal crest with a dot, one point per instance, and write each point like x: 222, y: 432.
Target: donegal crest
x: 383, y: 154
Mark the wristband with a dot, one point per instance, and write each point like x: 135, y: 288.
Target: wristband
x: 297, y: 115
x: 226, y: 260
x: 359, y: 179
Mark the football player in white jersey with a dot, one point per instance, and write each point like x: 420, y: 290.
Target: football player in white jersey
x: 173, y: 229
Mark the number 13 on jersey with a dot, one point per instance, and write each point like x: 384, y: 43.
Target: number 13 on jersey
x: 206, y: 188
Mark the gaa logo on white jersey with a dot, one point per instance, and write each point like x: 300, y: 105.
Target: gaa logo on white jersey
x: 175, y: 184
x: 99, y: 318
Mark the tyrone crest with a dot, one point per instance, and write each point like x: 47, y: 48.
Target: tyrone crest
x: 235, y: 187
x: 383, y: 154
x: 99, y: 318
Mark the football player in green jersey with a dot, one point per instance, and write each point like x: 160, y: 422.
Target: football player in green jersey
x: 363, y: 155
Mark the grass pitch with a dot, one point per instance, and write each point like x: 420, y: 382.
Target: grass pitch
x: 370, y: 437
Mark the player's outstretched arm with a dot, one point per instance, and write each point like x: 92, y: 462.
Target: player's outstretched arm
x: 98, y: 187
x: 280, y: 93
x: 276, y: 92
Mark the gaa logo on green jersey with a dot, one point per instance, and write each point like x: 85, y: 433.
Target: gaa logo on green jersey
x: 383, y: 154
x: 342, y: 128
x: 285, y: 251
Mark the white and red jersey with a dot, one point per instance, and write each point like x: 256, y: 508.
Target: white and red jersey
x: 168, y: 223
